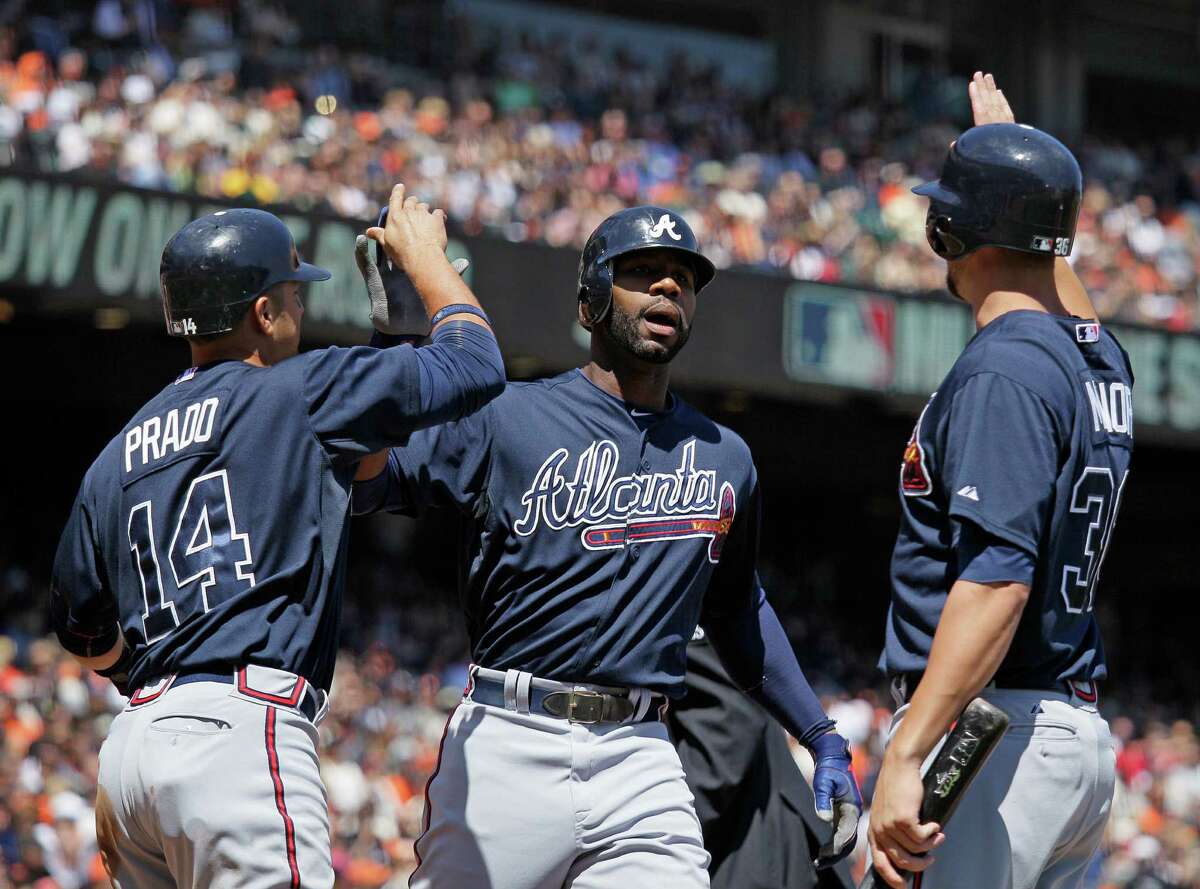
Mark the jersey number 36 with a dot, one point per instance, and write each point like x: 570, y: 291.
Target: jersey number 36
x: 206, y: 550
x: 1095, y: 500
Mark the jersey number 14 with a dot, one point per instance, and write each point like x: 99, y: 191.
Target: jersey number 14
x: 206, y: 550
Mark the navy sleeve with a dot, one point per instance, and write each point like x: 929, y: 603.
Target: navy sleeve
x: 747, y: 636
x: 458, y: 371
x: 361, y: 400
x: 985, y: 558
x: 758, y: 655
x: 83, y: 611
x: 444, y: 465
x: 1002, y: 453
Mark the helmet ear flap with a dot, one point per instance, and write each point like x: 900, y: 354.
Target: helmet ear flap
x: 939, y: 233
x: 596, y: 293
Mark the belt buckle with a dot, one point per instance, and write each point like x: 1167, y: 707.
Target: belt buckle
x: 590, y: 702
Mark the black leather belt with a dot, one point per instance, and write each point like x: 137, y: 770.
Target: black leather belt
x: 579, y: 705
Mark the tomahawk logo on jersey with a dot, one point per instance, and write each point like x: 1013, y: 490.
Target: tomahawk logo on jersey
x: 619, y: 509
x: 1029, y: 438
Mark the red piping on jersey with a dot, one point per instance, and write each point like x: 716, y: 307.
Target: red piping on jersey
x: 289, y: 829
x: 243, y: 685
x: 425, y: 822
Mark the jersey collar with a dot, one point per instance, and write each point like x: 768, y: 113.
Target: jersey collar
x: 635, y: 412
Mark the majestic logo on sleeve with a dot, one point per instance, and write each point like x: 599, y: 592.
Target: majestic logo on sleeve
x: 616, y: 510
x: 914, y: 477
x: 665, y: 224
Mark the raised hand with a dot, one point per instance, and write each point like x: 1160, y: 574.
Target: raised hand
x: 410, y: 229
x: 988, y: 104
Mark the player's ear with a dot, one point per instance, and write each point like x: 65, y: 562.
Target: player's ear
x: 585, y: 314
x: 263, y: 314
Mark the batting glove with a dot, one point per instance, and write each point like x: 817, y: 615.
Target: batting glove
x: 393, y: 303
x: 838, y: 800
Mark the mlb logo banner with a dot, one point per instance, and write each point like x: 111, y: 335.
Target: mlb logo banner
x: 839, y: 336
x: 1087, y: 333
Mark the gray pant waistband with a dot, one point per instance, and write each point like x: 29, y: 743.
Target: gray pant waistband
x: 522, y: 692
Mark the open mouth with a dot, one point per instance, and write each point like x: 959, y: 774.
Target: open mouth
x: 662, y: 320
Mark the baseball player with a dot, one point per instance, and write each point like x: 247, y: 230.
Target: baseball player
x: 604, y: 518
x: 1010, y: 488
x: 203, y: 562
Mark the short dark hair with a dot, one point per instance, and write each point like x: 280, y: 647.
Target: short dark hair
x: 1027, y: 260
x: 274, y: 294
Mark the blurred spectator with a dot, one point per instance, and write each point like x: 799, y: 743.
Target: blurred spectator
x: 399, y: 675
x: 534, y: 141
x: 540, y: 140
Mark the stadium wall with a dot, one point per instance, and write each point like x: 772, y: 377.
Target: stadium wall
x: 70, y: 246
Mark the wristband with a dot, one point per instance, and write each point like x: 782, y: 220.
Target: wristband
x: 830, y: 743
x: 456, y: 309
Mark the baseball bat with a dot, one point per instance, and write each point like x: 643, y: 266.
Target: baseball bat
x: 968, y: 746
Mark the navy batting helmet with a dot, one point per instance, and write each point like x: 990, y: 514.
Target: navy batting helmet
x: 214, y: 267
x: 627, y: 231
x: 1004, y: 185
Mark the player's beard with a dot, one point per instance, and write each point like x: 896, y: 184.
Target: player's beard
x: 623, y: 329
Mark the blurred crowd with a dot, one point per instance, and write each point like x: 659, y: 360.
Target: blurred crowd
x: 525, y: 139
x: 540, y: 139
x: 400, y: 673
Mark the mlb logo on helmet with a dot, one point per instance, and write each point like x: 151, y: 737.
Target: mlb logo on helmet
x: 1057, y: 246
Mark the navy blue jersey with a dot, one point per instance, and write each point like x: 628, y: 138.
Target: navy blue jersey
x: 214, y: 526
x: 593, y: 533
x: 1029, y: 437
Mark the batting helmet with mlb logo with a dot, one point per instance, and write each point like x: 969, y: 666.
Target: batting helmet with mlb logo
x: 216, y: 266
x: 1004, y: 185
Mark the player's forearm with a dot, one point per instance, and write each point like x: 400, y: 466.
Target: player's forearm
x: 371, y: 466
x: 439, y: 284
x: 383, y: 490
x: 972, y: 638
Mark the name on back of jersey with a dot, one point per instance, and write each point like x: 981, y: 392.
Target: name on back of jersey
x: 163, y: 435
x: 1111, y: 404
